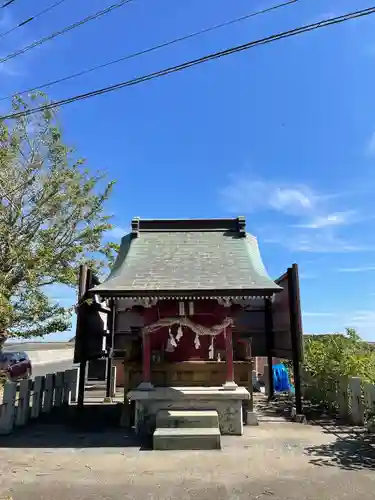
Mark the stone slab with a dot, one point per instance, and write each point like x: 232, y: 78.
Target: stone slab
x: 187, y: 439
x: 168, y: 393
x: 187, y: 419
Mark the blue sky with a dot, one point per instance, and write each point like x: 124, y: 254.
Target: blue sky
x: 283, y: 134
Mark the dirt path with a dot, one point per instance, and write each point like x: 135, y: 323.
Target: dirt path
x: 273, y: 461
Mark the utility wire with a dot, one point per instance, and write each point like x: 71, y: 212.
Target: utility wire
x: 150, y: 49
x: 7, y: 3
x: 65, y: 30
x: 188, y: 64
x: 32, y: 18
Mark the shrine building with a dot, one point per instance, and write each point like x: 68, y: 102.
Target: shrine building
x: 177, y: 293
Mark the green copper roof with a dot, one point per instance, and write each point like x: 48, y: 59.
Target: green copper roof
x: 191, y: 255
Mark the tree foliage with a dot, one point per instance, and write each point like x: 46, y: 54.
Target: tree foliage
x: 329, y: 357
x: 52, y: 219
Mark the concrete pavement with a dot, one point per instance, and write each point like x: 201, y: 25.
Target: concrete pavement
x: 43, y: 353
x: 272, y: 461
x: 52, y: 367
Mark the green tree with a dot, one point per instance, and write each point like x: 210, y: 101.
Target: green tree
x: 329, y: 357
x: 52, y: 219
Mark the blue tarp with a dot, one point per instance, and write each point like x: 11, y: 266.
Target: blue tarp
x: 281, y: 379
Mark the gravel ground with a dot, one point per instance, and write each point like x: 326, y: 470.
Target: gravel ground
x: 273, y: 461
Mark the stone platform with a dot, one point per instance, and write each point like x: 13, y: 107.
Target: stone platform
x: 227, y: 403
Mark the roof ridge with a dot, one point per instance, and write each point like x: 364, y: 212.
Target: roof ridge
x: 237, y: 225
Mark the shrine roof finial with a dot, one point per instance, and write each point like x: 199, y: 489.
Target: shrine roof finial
x: 135, y: 226
x: 237, y: 225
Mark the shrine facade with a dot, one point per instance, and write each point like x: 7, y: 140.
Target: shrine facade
x: 175, y: 292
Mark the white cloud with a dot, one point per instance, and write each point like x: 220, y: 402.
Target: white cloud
x: 331, y: 219
x: 363, y: 269
x: 320, y: 242
x: 255, y: 195
x: 316, y: 220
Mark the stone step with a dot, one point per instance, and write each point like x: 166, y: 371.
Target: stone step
x: 185, y: 419
x: 187, y: 439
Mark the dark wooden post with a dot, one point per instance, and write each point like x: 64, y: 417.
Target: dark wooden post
x: 295, y: 332
x: 229, y: 355
x: 111, y: 328
x: 268, y: 322
x: 82, y: 288
x: 146, y: 359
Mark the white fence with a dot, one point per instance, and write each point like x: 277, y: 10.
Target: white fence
x: 30, y: 399
x: 351, y: 399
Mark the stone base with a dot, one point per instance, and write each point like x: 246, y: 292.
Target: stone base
x: 228, y: 405
x: 252, y: 418
x: 145, y: 386
x: 300, y: 418
x: 230, y: 386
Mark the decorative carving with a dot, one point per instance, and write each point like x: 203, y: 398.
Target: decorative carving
x: 224, y: 301
x: 145, y: 302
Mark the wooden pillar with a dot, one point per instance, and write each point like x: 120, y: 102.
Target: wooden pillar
x: 146, y: 358
x: 229, y: 382
x: 268, y: 321
x: 82, y: 288
x: 111, y: 342
x: 295, y: 332
x: 146, y: 362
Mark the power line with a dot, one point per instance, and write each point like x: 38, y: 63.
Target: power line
x: 151, y: 49
x: 32, y: 18
x: 7, y: 3
x: 65, y: 30
x: 195, y: 62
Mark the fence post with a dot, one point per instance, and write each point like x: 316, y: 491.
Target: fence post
x: 342, y: 398
x: 74, y: 377
x: 23, y: 408
x: 67, y: 387
x: 59, y: 388
x: 369, y: 396
x: 8, y: 408
x: 37, y: 397
x: 357, y: 413
x: 48, y: 393
x: 113, y: 381
x: 369, y: 392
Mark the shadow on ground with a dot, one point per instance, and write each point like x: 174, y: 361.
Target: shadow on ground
x: 353, y: 449
x: 96, y: 426
x: 280, y: 406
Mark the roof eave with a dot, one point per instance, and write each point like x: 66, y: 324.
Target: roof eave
x: 201, y: 294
